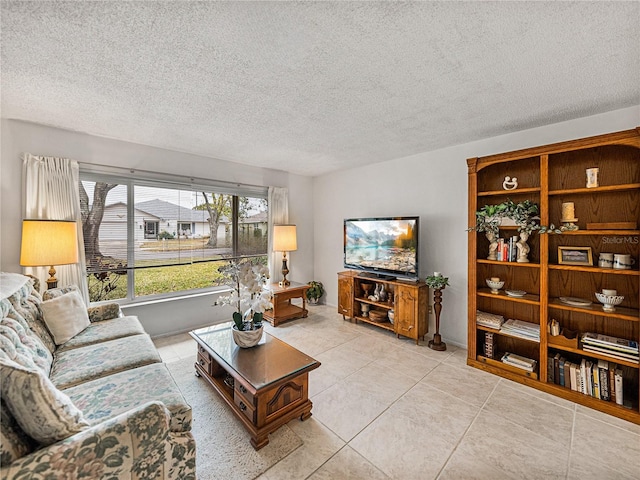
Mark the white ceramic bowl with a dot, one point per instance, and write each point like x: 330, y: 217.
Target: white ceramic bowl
x: 495, y: 286
x: 609, y: 301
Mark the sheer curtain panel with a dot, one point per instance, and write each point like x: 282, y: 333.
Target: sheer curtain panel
x: 50, y: 192
x: 278, y: 214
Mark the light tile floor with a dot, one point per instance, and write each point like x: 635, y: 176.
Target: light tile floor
x: 386, y: 408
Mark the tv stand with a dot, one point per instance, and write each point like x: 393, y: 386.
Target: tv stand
x: 407, y: 300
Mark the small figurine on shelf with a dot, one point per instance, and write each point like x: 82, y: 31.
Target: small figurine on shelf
x: 510, y: 183
x: 438, y: 283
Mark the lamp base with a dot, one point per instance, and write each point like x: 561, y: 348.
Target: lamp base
x: 285, y: 271
x: 52, y: 281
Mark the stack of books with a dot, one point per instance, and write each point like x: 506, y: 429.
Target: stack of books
x: 521, y: 329
x: 618, y: 348
x: 489, y: 319
x: 520, y: 362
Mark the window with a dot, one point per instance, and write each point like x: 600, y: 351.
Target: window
x: 147, y: 238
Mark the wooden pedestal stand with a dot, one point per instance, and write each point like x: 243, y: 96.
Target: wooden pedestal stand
x: 437, y: 343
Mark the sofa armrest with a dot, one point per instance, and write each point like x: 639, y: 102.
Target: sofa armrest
x: 105, y: 311
x: 131, y: 445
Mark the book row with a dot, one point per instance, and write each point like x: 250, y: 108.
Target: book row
x: 507, y: 250
x: 600, y: 379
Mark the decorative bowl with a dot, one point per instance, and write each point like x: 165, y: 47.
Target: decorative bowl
x: 391, y: 316
x: 246, y: 338
x: 609, y: 301
x: 378, y: 316
x: 495, y: 286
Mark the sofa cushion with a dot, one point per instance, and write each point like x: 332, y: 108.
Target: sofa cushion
x: 105, y: 311
x: 14, y: 443
x: 104, y: 330
x: 109, y: 396
x: 52, y: 293
x: 78, y: 365
x: 26, y: 344
x: 24, y: 306
x: 65, y: 316
x: 44, y: 413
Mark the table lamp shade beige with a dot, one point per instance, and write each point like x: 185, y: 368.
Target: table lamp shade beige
x: 284, y: 240
x: 49, y: 243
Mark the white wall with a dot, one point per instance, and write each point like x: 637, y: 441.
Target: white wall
x: 166, y: 317
x: 434, y: 186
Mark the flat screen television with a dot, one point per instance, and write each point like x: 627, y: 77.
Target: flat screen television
x: 384, y: 247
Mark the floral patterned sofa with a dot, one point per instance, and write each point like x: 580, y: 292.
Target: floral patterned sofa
x: 102, y: 405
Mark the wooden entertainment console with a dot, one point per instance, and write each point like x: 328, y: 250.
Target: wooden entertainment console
x: 408, y: 301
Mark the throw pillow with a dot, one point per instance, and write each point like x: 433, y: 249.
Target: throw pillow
x: 44, y: 413
x: 65, y: 316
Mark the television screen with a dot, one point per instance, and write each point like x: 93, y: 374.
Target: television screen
x: 387, y: 246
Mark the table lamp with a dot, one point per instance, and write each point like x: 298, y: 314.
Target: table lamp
x: 284, y: 240
x: 49, y: 243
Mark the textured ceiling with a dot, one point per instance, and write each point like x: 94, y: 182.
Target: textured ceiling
x: 314, y: 87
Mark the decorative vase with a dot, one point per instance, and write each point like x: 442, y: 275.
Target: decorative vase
x: 523, y: 248
x: 383, y: 294
x: 247, y: 338
x: 493, y: 245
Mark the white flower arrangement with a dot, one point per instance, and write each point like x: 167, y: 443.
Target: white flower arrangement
x: 248, y: 294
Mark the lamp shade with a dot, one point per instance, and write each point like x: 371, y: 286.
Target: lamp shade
x: 284, y: 238
x: 48, y: 242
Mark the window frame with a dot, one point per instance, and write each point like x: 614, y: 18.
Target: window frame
x: 133, y: 178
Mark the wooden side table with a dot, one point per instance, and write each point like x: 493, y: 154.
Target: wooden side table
x: 283, y: 309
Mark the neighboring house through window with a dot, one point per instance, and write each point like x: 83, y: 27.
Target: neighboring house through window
x: 148, y: 237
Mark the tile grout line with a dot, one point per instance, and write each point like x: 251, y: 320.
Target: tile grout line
x: 573, y: 429
x: 467, y: 430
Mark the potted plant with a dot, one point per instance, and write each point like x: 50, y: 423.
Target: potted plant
x: 523, y: 214
x: 315, y: 292
x: 248, y: 294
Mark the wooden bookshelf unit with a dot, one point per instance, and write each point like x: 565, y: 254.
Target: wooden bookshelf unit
x: 608, y: 219
x: 408, y: 301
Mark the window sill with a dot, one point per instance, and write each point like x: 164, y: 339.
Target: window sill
x: 163, y: 299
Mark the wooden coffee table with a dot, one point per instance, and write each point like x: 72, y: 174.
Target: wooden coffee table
x: 265, y: 386
x: 283, y: 309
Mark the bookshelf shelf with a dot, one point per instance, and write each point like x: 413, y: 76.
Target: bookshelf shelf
x: 594, y: 191
x: 506, y: 334
x: 508, y: 264
x: 529, y: 298
x: 521, y: 191
x: 621, y: 313
x: 608, y: 271
x: 551, y: 175
x: 585, y: 353
x: 508, y: 368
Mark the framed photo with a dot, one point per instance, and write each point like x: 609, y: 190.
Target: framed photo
x: 575, y: 256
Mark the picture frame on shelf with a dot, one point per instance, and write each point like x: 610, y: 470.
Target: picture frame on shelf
x: 575, y: 256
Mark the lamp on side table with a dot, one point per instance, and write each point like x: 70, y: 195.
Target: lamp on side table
x: 49, y: 243
x: 284, y: 240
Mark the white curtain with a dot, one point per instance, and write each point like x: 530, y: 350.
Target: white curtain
x: 278, y: 214
x: 50, y: 192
